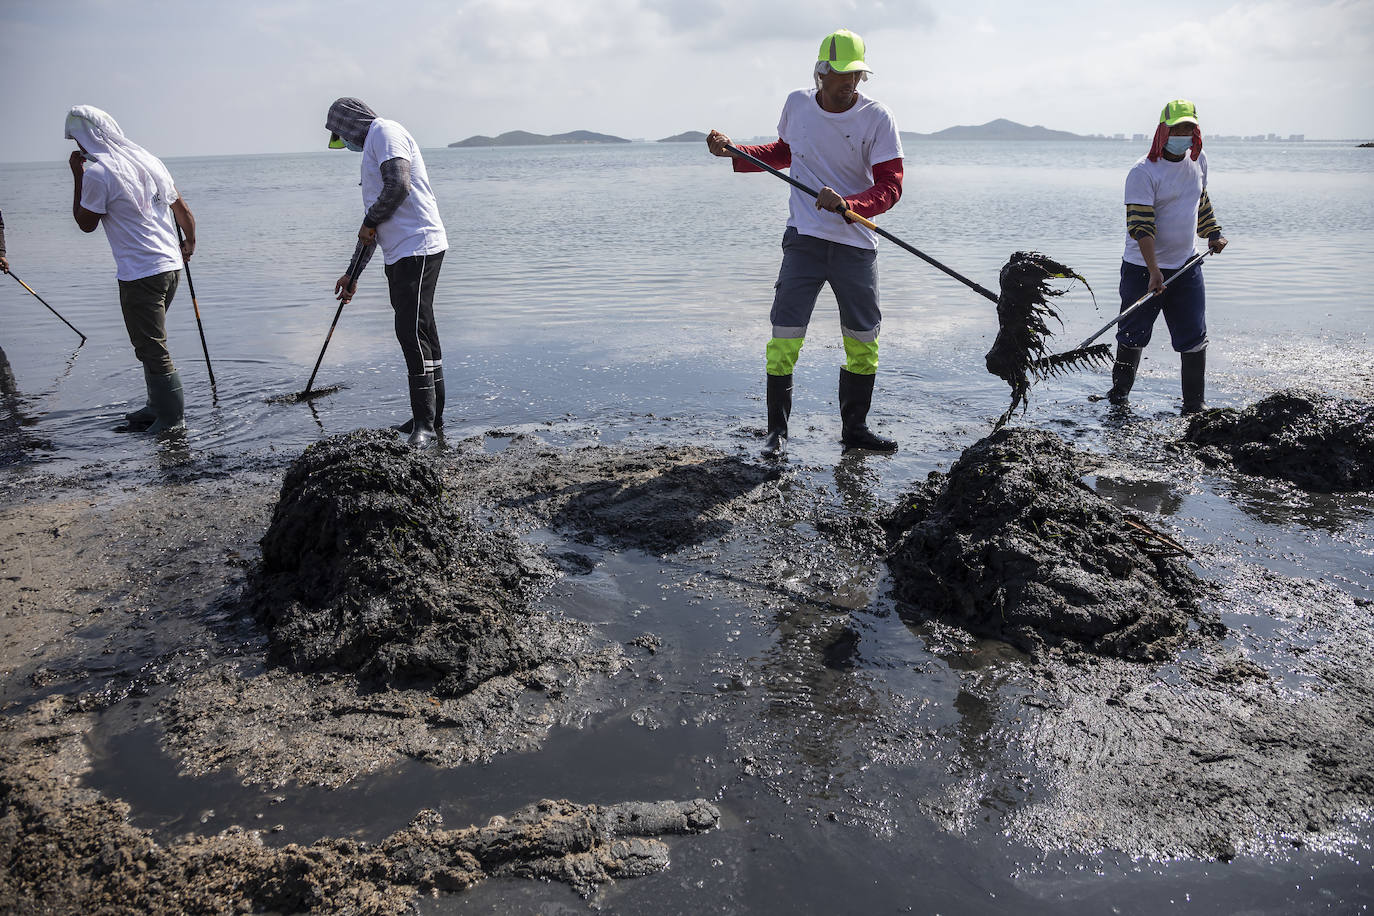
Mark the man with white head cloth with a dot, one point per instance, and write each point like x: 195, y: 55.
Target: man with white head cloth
x: 402, y: 216
x: 122, y: 186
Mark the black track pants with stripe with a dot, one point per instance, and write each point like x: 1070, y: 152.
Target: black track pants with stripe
x: 412, y: 281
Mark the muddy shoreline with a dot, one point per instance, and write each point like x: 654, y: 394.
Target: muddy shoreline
x: 1247, y: 742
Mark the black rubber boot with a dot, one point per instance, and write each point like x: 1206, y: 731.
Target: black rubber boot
x: 168, y: 402
x: 408, y: 425
x: 1194, y: 371
x: 421, y: 410
x: 1123, y: 373
x: 856, y: 397
x: 779, y: 409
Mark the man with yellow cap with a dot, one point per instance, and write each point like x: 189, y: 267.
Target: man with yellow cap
x: 840, y: 140
x: 1166, y: 207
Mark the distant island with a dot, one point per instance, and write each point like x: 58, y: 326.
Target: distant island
x: 525, y: 138
x: 1000, y: 129
x: 690, y: 136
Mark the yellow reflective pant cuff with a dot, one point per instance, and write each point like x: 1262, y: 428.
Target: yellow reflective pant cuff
x: 861, y: 357
x: 782, y: 354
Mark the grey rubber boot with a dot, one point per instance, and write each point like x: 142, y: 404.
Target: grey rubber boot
x: 438, y: 375
x: 856, y: 397
x: 1194, y: 371
x: 1123, y: 373
x: 421, y: 410
x: 168, y: 402
x: 779, y: 409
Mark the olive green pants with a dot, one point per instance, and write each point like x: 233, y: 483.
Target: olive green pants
x: 145, y: 303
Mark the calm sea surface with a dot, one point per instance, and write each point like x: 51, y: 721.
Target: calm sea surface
x: 596, y: 284
x: 621, y: 294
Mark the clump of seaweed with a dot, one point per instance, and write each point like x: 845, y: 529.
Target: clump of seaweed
x: 1018, y: 355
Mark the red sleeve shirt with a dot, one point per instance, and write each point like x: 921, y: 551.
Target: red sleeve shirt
x: 777, y: 154
x: 887, y: 177
x: 886, y: 190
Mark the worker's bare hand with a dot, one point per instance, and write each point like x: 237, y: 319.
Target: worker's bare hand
x: 4, y: 265
x: 77, y: 160
x: 367, y: 235
x: 1217, y: 244
x: 1156, y: 281
x: 717, y: 142
x: 345, y: 287
x: 829, y: 200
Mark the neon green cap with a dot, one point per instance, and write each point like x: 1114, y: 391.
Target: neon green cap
x: 1179, y: 111
x: 844, y: 51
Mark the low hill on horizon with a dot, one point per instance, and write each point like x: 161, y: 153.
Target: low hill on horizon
x: 689, y: 136
x: 525, y: 138
x: 998, y: 129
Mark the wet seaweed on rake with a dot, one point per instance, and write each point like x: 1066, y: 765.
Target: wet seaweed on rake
x: 1019, y: 355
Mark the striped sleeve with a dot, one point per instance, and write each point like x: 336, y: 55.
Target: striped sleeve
x: 1207, y: 225
x: 1140, y: 221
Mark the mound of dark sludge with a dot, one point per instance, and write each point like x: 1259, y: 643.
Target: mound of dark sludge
x: 368, y: 567
x: 1320, y: 443
x: 1011, y: 544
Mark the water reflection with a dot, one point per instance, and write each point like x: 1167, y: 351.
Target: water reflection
x: 1159, y: 497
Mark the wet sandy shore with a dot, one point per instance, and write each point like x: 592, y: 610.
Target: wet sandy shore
x: 133, y: 609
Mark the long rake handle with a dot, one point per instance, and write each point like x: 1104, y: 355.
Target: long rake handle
x: 844, y: 211
x: 190, y: 285
x: 1187, y: 266
x: 49, y: 307
x: 352, y: 278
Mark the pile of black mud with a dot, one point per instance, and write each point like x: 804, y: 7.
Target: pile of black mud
x: 1318, y: 442
x: 1011, y: 544
x: 369, y: 567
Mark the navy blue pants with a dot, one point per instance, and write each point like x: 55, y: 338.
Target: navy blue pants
x: 1184, y: 305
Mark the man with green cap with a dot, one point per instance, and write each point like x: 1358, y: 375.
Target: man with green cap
x: 840, y: 140
x: 1166, y: 207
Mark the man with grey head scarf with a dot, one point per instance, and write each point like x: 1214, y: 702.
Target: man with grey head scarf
x: 402, y: 216
x: 121, y: 185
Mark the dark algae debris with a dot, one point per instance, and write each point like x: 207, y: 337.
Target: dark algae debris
x: 1012, y: 544
x: 1024, y: 309
x: 1318, y: 442
x: 369, y: 567
x: 66, y: 854
x: 679, y: 506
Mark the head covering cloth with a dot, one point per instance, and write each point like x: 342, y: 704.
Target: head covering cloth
x: 141, y: 175
x: 351, y: 119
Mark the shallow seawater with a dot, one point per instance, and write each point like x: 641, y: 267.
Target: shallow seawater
x: 620, y: 295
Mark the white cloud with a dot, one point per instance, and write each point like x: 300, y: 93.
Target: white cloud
x: 257, y: 76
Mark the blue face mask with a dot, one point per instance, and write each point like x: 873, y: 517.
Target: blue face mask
x: 349, y: 144
x: 1177, y: 146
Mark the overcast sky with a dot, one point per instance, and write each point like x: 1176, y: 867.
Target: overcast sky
x: 250, y: 76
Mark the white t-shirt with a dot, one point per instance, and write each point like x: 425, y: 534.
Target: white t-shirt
x: 415, y: 228
x: 836, y: 151
x: 143, y: 245
x: 1174, y: 190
